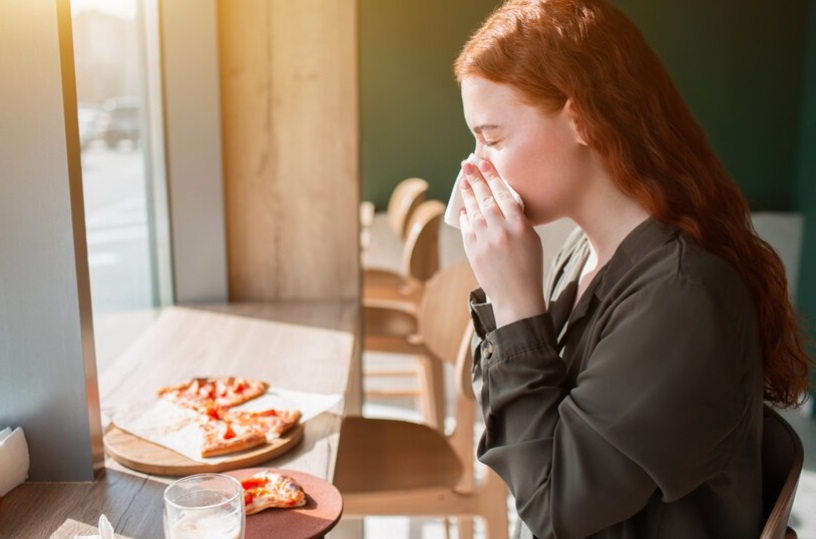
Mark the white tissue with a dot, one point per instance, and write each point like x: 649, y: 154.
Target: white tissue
x: 14, y: 460
x: 455, y: 204
x: 105, y: 530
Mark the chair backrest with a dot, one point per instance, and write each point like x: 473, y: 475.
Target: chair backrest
x: 404, y: 200
x: 462, y: 437
x: 444, y: 315
x: 446, y: 331
x: 782, y: 458
x: 420, y: 253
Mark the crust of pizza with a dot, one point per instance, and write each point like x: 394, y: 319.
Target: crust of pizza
x: 266, y: 489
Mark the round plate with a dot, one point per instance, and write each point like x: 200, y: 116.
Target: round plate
x: 144, y: 456
x: 324, y: 506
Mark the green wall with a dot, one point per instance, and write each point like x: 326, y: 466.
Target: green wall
x: 737, y: 62
x: 411, y: 112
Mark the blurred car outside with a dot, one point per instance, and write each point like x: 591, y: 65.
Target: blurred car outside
x: 119, y: 120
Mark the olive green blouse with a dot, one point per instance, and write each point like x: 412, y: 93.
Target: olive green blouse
x: 637, y: 414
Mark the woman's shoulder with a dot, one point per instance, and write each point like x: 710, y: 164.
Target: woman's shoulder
x: 683, y: 265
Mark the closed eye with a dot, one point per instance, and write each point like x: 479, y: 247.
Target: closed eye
x: 486, y: 133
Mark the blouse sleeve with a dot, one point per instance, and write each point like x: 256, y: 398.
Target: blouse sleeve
x: 653, y: 412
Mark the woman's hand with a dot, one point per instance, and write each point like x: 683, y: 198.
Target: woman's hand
x: 503, y: 248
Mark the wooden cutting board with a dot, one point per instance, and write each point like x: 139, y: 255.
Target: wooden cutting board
x: 145, y: 456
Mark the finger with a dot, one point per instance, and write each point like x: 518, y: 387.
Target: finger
x: 481, y: 194
x: 501, y: 194
x: 469, y: 239
x: 473, y: 213
x: 464, y: 226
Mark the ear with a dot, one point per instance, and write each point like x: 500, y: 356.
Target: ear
x: 577, y: 126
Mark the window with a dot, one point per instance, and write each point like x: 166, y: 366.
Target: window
x: 119, y: 107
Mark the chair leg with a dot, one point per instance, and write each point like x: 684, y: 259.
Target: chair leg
x: 493, y: 506
x: 464, y: 527
x: 447, y: 528
x: 432, y: 398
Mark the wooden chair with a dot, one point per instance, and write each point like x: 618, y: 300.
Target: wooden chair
x: 395, y: 467
x: 420, y: 259
x: 404, y: 200
x: 390, y: 304
x: 782, y: 459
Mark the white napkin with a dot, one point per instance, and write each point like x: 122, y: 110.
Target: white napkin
x: 105, y: 530
x: 14, y: 460
x: 455, y: 204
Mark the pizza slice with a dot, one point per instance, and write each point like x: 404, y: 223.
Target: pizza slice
x: 220, y: 437
x: 223, y: 428
x: 203, y: 394
x: 232, y: 391
x: 272, y: 421
x: 266, y: 489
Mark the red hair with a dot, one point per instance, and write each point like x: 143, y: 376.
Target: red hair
x: 631, y: 113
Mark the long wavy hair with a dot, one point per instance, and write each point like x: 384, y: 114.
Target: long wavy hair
x: 632, y: 114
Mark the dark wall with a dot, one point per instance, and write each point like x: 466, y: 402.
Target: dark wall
x: 806, y: 187
x: 737, y: 62
x: 411, y: 112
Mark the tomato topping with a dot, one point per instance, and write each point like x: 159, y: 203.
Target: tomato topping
x: 253, y: 482
x: 247, y: 498
x: 229, y: 433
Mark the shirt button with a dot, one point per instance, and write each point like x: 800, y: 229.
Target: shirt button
x: 488, y: 348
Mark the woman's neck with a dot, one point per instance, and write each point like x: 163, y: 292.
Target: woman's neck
x: 607, y: 218
x: 605, y: 228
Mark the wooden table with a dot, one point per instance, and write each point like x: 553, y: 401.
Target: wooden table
x: 306, y: 346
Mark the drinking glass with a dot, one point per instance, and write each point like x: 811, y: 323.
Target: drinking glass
x: 204, y: 506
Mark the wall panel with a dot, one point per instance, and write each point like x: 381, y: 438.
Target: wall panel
x: 290, y: 135
x: 47, y: 363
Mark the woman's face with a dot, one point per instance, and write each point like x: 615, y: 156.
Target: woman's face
x: 539, y: 154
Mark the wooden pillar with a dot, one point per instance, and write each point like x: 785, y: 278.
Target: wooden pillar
x: 289, y: 89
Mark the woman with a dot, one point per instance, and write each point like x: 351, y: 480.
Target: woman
x: 628, y: 403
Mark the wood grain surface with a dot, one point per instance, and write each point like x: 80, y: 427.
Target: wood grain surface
x: 145, y: 456
x: 290, y: 128
x: 316, y: 354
